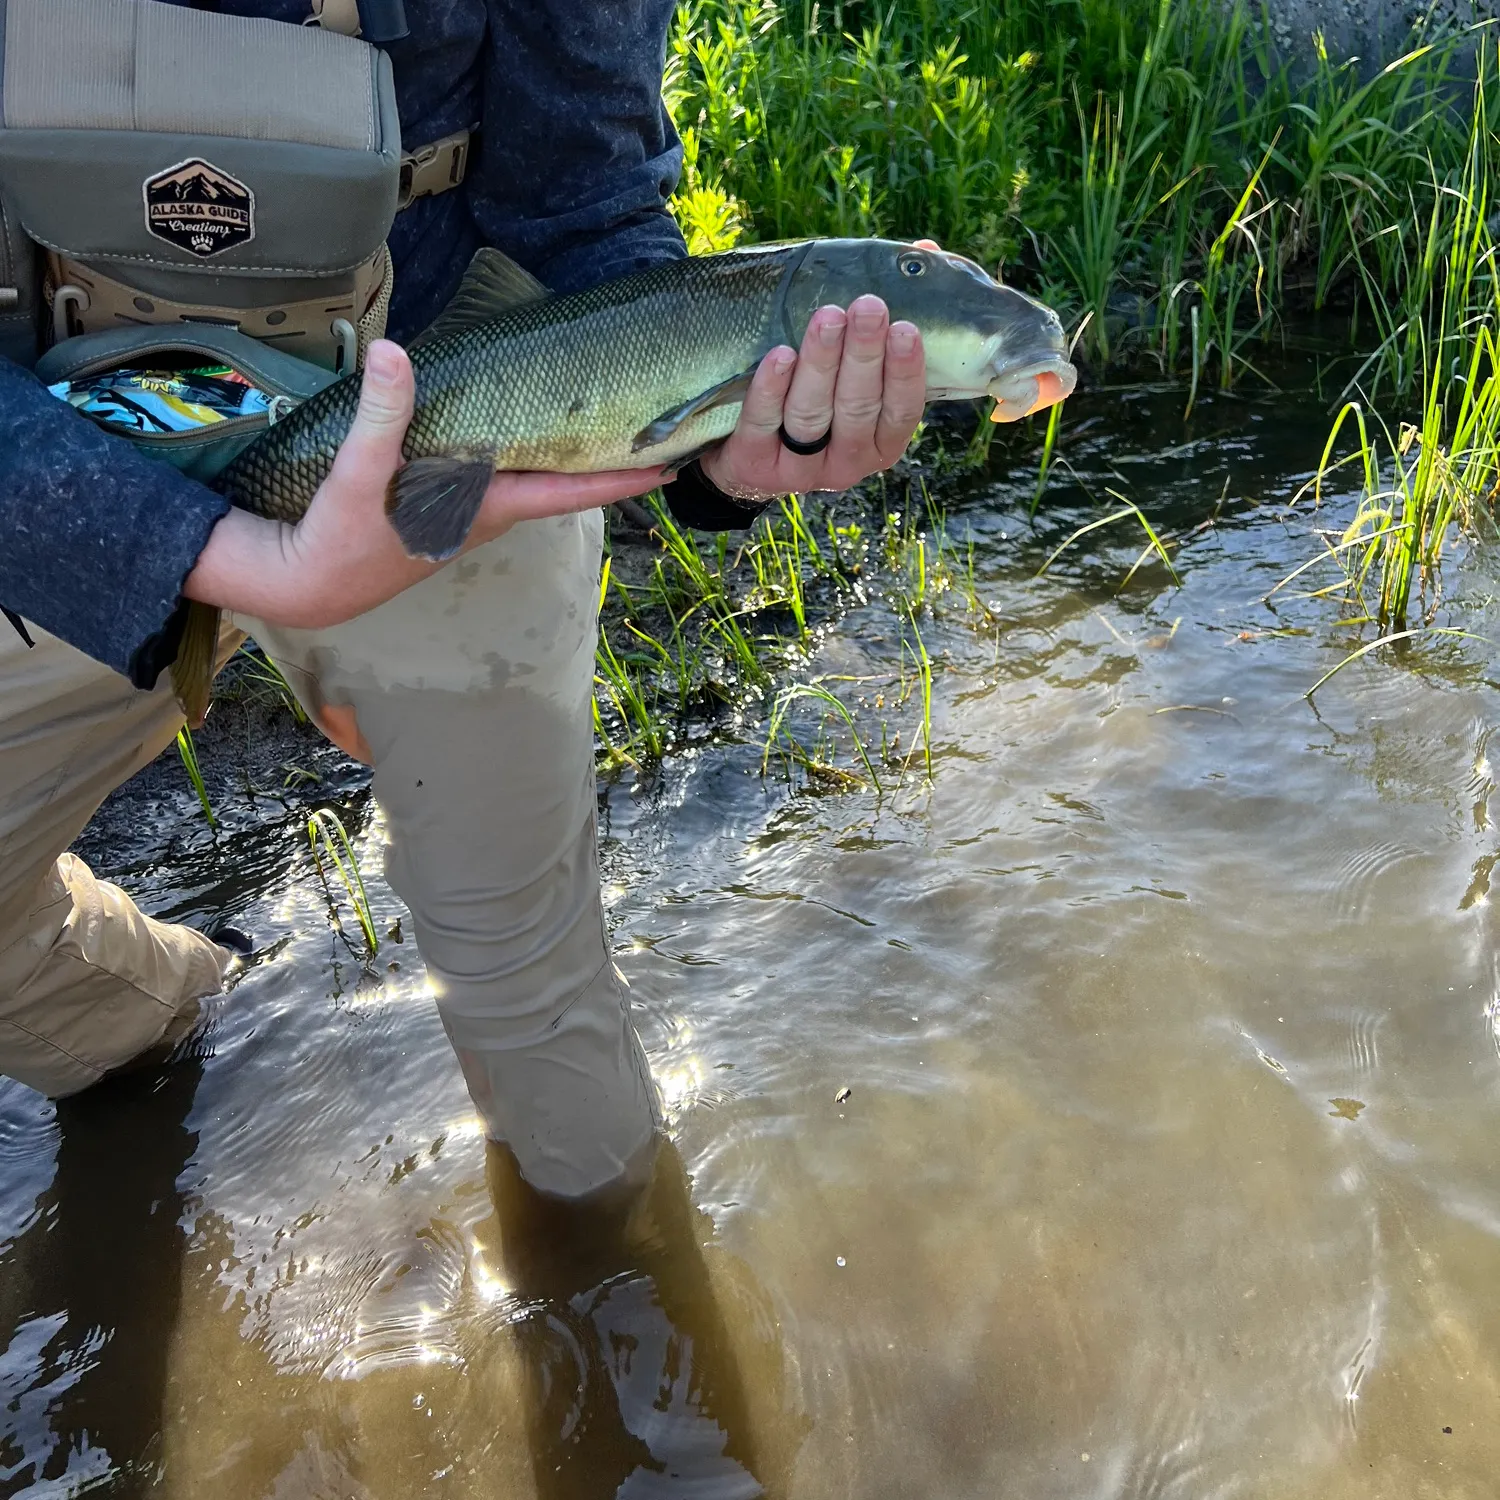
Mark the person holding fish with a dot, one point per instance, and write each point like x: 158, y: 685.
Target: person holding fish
x: 416, y: 542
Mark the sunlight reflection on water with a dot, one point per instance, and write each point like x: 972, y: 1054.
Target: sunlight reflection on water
x: 1166, y: 1169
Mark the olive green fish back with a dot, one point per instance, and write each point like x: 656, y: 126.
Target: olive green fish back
x: 568, y: 383
x: 562, y: 383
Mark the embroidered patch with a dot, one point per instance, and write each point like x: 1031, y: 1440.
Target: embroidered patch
x: 199, y: 208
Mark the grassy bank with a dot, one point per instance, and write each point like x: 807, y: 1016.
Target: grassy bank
x: 1181, y: 194
x: 1147, y: 165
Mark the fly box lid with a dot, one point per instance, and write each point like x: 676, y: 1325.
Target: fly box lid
x: 155, y: 142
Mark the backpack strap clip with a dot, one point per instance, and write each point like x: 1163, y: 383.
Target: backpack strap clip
x: 341, y: 16
x: 434, y: 168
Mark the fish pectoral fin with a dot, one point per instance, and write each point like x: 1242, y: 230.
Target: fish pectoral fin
x: 724, y: 394
x: 432, y: 503
x: 493, y: 284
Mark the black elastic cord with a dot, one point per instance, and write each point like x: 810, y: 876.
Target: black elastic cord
x: 20, y: 625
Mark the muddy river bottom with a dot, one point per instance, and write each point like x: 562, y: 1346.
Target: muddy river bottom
x: 1167, y: 1166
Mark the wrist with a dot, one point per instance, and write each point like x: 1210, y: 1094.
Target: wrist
x: 696, y: 500
x: 713, y: 466
x: 244, y: 566
x: 269, y: 570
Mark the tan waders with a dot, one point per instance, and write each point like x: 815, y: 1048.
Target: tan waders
x: 87, y: 982
x: 472, y: 692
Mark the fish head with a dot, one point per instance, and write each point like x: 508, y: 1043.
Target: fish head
x: 981, y: 338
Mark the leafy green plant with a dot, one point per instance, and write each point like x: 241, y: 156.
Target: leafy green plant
x: 188, y: 751
x: 326, y: 835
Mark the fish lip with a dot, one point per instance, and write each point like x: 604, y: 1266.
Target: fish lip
x: 1052, y: 363
x: 1015, y: 383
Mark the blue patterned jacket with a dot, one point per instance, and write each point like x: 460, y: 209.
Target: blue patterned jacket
x: 572, y: 168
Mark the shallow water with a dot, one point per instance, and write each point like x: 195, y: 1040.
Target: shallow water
x: 1168, y: 1169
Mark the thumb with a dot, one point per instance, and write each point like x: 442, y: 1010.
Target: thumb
x: 371, y: 452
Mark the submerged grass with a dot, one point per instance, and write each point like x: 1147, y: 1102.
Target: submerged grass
x: 326, y: 833
x: 712, y: 637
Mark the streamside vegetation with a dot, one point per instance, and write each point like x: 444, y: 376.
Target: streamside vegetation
x: 1151, y: 167
x: 1186, y: 195
x: 705, y: 635
x: 1189, y: 197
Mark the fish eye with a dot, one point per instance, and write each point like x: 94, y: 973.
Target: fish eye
x: 912, y: 265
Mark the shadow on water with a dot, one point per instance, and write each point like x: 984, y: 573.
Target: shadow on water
x: 92, y: 1288
x: 633, y: 1386
x: 630, y: 1379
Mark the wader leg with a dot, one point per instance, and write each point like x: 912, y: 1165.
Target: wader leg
x: 86, y: 981
x: 473, y: 692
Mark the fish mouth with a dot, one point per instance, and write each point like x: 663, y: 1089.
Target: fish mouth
x: 1031, y: 386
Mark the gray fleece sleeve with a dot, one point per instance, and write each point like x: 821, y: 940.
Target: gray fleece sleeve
x: 95, y: 538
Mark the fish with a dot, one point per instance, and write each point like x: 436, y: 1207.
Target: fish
x: 646, y: 370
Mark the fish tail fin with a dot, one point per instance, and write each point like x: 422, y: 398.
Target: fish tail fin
x: 193, y: 670
x: 432, y: 503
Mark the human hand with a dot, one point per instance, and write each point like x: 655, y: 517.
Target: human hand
x: 859, y: 377
x: 343, y: 557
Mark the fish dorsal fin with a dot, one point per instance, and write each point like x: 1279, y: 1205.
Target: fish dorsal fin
x: 492, y: 285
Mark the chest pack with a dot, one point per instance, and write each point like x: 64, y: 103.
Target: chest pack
x: 178, y: 187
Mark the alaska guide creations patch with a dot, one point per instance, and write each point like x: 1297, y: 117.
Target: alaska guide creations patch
x: 199, y: 208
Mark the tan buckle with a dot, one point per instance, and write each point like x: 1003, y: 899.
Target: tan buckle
x: 335, y: 15
x: 434, y: 168
x: 332, y: 330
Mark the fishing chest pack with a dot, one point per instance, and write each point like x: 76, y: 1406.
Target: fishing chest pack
x: 179, y: 188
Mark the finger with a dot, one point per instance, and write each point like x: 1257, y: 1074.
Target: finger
x: 371, y: 452
x: 861, y: 376
x: 527, y: 495
x: 809, y: 402
x: 755, y: 448
x: 905, y: 392
x: 927, y: 244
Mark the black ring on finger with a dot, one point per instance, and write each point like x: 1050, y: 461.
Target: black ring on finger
x: 804, y: 450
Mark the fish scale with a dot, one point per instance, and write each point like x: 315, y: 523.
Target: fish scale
x: 563, y: 383
x: 642, y: 371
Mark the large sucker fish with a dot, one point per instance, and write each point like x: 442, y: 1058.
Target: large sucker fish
x: 645, y: 370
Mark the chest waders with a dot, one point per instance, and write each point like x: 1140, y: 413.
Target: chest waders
x: 175, y: 187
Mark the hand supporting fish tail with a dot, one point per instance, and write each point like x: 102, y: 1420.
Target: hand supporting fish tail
x: 343, y: 557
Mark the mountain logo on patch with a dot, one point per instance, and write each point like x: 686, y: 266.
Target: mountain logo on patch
x: 199, y: 208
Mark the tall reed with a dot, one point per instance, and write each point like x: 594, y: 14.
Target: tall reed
x: 1441, y: 470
